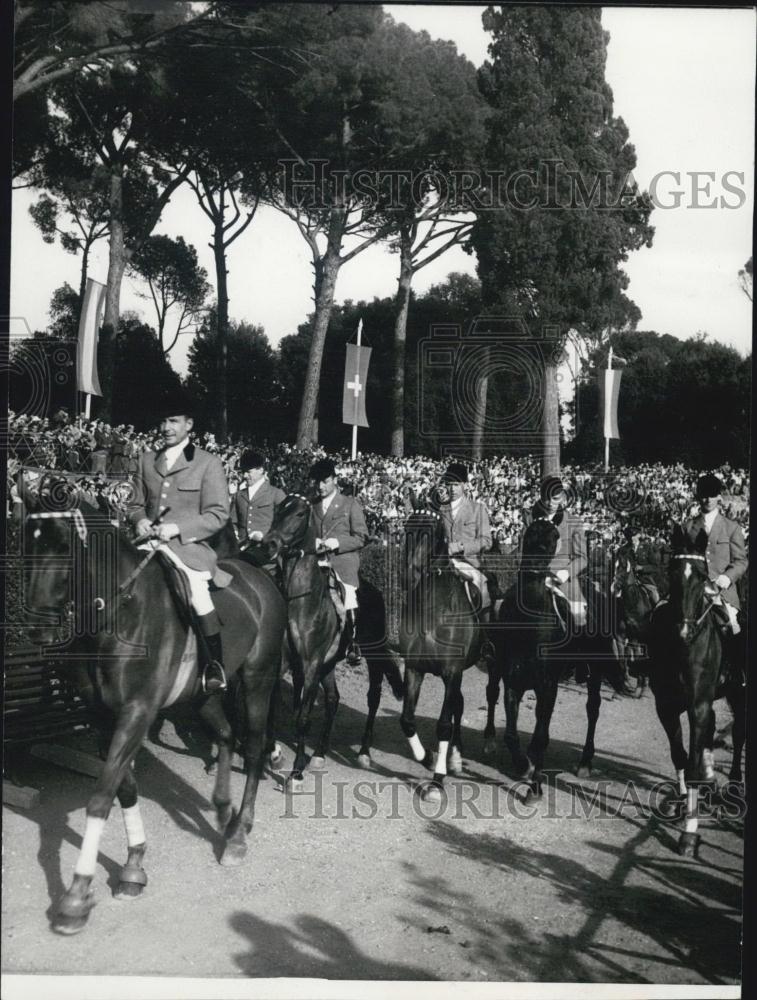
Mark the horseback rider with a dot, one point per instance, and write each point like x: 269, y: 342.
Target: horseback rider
x: 569, y: 563
x: 726, y: 564
x: 255, y: 503
x: 469, y: 535
x: 342, y: 533
x: 190, y: 485
x: 641, y: 559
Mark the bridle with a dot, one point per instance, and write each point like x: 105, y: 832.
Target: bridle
x: 695, y: 623
x: 289, y: 552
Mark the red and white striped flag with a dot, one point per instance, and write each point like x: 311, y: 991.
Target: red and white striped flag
x: 89, y: 326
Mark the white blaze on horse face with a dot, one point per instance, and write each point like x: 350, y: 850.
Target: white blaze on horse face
x: 686, y: 570
x: 681, y: 781
x: 135, y: 831
x: 708, y: 759
x: 417, y: 747
x: 87, y: 859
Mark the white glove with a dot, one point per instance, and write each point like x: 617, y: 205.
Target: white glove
x: 562, y: 575
x: 331, y: 543
x: 144, y: 527
x: 723, y: 581
x: 167, y: 531
x: 256, y: 536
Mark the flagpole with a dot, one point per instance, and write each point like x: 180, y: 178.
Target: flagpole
x: 87, y: 401
x: 604, y: 415
x: 354, y: 426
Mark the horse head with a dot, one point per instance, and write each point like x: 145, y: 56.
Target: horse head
x: 424, y: 539
x: 54, y: 524
x: 691, y: 591
x: 292, y: 527
x: 541, y: 541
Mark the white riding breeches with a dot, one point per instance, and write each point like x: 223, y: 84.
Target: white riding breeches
x: 476, y: 577
x: 198, y: 579
x: 350, y: 594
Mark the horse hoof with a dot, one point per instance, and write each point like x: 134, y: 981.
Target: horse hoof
x: 364, y: 761
x: 431, y: 792
x: 318, y: 763
x: 128, y: 890
x: 490, y: 747
x: 584, y: 771
x: 295, y: 783
x: 69, y: 925
x: 275, y: 756
x: 233, y: 855
x: 455, y: 762
x: 639, y: 692
x: 688, y: 845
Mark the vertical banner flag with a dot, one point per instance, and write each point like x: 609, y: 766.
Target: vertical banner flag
x: 89, y: 325
x: 609, y: 389
x: 355, y: 381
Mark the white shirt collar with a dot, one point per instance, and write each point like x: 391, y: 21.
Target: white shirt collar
x: 455, y: 505
x: 327, y: 501
x: 253, y: 489
x: 709, y: 517
x: 173, y: 453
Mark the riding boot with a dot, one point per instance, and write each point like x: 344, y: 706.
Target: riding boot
x: 734, y: 655
x: 486, y: 617
x: 353, y: 655
x: 213, y: 675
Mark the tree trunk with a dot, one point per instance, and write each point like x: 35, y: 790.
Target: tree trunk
x: 219, y: 253
x: 477, y: 444
x: 118, y: 257
x: 550, y: 457
x: 400, y: 344
x: 324, y: 302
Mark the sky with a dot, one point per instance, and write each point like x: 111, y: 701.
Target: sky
x: 683, y: 80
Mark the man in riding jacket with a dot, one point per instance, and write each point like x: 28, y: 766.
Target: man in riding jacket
x: 181, y: 500
x: 342, y: 532
x: 468, y: 534
x: 641, y: 559
x: 569, y: 563
x: 726, y: 562
x: 255, y: 502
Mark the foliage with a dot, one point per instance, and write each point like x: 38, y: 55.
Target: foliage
x: 174, y: 277
x: 680, y: 401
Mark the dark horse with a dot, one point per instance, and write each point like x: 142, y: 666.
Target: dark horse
x: 686, y: 650
x: 438, y: 635
x: 316, y: 637
x: 635, y: 604
x: 534, y: 616
x: 531, y: 625
x: 130, y: 634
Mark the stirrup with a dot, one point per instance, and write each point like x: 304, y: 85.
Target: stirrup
x: 353, y: 656
x: 213, y: 685
x: 488, y: 650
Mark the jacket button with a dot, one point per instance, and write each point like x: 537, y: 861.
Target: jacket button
x: 167, y: 482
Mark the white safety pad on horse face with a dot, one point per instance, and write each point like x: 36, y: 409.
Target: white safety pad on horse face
x: 578, y: 610
x: 187, y: 670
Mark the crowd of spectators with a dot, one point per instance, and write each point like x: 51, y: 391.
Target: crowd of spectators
x: 100, y: 459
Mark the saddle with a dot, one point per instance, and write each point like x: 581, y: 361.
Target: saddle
x: 336, y: 590
x: 179, y: 591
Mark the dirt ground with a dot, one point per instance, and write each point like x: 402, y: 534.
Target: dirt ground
x: 356, y: 878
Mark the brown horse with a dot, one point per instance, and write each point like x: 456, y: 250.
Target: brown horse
x: 317, y: 640
x: 687, y: 651
x: 132, y: 656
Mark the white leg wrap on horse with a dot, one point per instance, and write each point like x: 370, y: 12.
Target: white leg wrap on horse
x: 87, y: 859
x: 441, y: 757
x: 417, y: 747
x: 692, y: 807
x: 135, y: 831
x: 708, y: 759
x: 681, y: 781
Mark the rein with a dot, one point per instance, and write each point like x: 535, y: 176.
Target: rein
x: 696, y: 623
